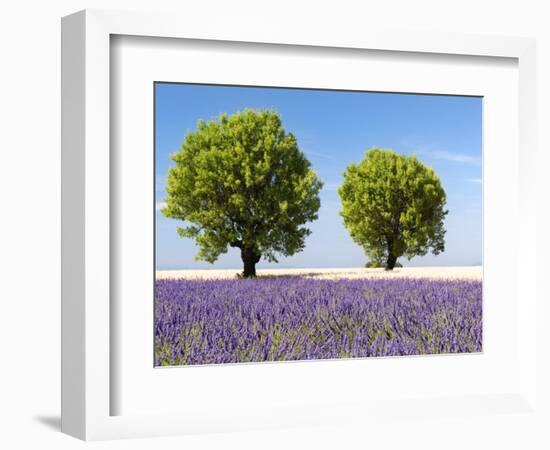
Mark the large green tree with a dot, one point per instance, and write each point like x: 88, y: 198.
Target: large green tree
x: 393, y: 206
x: 242, y: 181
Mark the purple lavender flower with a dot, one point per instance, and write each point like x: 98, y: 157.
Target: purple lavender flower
x: 292, y: 318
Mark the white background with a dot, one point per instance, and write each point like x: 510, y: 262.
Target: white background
x: 29, y: 177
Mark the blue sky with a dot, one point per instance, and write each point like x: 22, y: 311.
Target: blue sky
x: 334, y: 128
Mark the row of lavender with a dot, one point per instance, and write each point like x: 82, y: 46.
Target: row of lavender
x: 292, y: 318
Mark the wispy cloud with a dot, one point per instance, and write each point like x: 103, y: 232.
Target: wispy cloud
x: 319, y: 155
x: 456, y: 157
x: 424, y: 150
x: 159, y: 205
x: 475, y: 180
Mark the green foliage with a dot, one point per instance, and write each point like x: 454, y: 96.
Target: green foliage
x: 242, y: 181
x: 393, y: 206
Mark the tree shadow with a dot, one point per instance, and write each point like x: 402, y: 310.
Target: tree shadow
x: 51, y: 422
x: 319, y: 275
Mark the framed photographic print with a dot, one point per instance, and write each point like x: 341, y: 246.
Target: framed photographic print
x: 305, y: 206
x: 266, y: 229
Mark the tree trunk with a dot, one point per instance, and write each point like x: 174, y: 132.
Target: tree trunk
x: 250, y: 258
x: 391, y: 261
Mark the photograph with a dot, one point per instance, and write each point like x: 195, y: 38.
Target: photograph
x: 296, y: 224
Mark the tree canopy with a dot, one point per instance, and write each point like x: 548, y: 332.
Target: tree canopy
x: 393, y: 206
x: 241, y: 181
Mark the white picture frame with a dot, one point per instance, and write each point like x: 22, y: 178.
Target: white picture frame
x: 87, y: 316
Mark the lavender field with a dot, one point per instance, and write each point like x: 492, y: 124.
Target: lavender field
x: 297, y: 318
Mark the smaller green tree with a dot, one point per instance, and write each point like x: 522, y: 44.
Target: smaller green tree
x: 241, y: 181
x: 393, y: 206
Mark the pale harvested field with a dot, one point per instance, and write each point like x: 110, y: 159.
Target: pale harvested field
x: 469, y: 272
